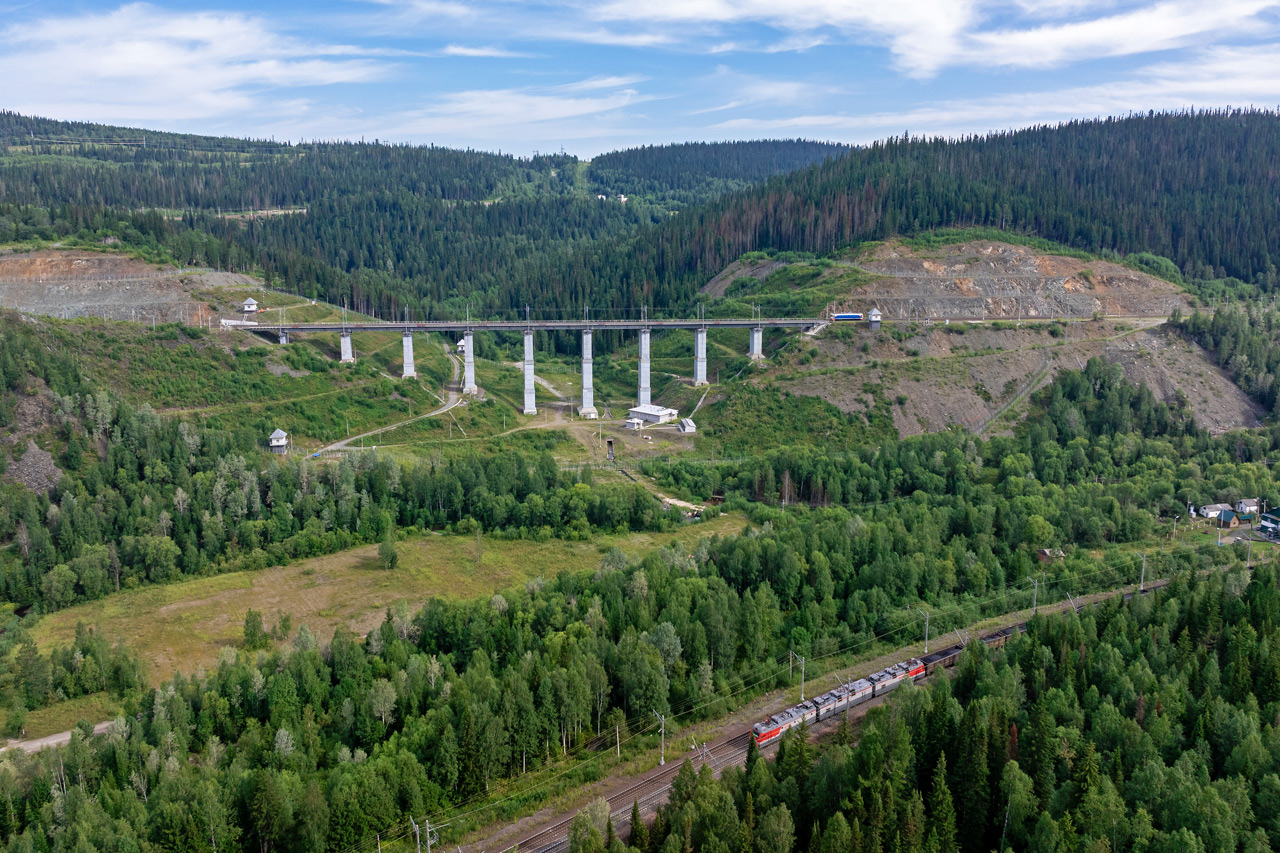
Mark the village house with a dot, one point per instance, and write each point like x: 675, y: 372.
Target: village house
x: 1212, y: 510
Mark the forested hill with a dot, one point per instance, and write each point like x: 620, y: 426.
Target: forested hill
x: 694, y: 172
x: 1198, y: 188
x: 17, y: 129
x: 57, y: 163
x: 392, y: 227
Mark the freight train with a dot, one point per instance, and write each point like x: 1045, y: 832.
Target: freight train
x: 877, y: 684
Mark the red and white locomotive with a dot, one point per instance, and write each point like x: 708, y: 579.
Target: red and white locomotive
x: 877, y: 684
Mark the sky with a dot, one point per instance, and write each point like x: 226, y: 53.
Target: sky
x: 589, y: 77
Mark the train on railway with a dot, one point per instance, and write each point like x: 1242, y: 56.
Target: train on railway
x: 879, y: 683
x: 846, y: 316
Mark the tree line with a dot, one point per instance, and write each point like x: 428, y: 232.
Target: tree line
x: 1146, y: 726
x: 391, y: 227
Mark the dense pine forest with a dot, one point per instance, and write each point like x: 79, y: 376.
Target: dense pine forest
x: 326, y: 742
x: 1148, y: 726
x: 389, y: 227
x: 696, y: 172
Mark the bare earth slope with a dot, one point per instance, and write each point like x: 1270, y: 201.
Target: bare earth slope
x: 972, y: 375
x: 988, y: 279
x: 73, y: 283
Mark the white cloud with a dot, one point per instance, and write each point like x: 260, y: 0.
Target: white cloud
x: 1213, y: 77
x: 917, y: 31
x: 488, y: 52
x: 925, y: 36
x: 142, y: 63
x: 592, y: 83
x: 528, y: 118
x: 1163, y: 26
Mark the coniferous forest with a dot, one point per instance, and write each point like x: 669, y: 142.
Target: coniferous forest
x: 388, y: 227
x: 1151, y: 724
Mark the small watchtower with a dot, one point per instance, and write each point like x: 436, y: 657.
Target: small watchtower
x: 279, y: 441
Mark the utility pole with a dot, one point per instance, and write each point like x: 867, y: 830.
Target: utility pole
x: 662, y: 756
x: 417, y: 836
x: 790, y: 670
x: 1248, y: 560
x: 1143, y: 580
x: 926, y: 632
x: 1035, y: 596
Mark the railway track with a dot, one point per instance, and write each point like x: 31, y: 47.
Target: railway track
x: 653, y: 789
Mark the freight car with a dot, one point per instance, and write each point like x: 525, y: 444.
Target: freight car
x: 877, y: 684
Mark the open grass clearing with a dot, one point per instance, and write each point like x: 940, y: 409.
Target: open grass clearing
x: 182, y: 626
x: 63, y: 716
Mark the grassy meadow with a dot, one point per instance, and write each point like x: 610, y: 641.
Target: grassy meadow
x: 182, y: 626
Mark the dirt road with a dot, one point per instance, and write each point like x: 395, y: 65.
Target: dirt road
x: 452, y: 398
x: 60, y: 739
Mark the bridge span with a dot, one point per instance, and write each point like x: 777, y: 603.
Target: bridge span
x: 467, y: 328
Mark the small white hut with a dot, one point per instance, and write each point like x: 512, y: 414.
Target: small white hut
x: 279, y: 441
x: 250, y: 306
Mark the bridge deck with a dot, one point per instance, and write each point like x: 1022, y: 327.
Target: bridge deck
x: 520, y: 325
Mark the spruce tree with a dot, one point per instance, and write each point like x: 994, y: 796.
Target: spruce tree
x: 972, y: 779
x: 638, y: 837
x: 753, y: 754
x: 942, y: 811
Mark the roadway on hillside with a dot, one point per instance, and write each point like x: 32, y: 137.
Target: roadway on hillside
x: 452, y: 398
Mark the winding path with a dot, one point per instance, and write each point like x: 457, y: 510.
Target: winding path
x: 454, y: 398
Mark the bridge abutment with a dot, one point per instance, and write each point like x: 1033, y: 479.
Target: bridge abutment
x: 757, y: 344
x: 348, y: 356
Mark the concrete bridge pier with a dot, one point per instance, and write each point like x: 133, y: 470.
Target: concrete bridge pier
x: 409, y: 370
x: 348, y: 357
x: 588, y: 407
x: 642, y: 399
x: 284, y: 337
x: 469, y: 364
x: 700, y: 356
x: 757, y: 344
x: 530, y: 404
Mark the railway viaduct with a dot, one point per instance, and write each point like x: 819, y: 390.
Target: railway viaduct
x: 467, y: 328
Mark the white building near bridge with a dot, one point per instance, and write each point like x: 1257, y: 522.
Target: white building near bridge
x: 650, y: 414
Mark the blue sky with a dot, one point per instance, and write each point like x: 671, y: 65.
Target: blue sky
x: 589, y: 77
